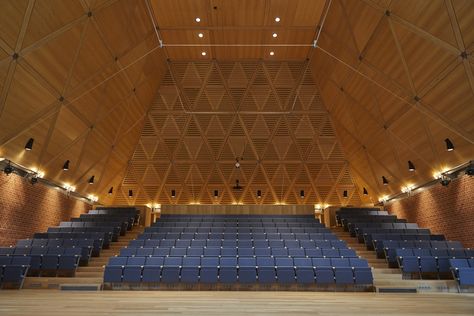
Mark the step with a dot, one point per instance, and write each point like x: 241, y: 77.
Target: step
x: 99, y: 274
x: 421, y: 286
x: 386, y: 270
x: 90, y: 269
x: 55, y: 283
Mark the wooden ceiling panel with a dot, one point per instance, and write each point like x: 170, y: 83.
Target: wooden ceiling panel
x: 11, y: 18
x: 170, y: 13
x: 49, y: 16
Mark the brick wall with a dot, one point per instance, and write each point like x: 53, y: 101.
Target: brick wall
x: 26, y: 209
x: 445, y: 210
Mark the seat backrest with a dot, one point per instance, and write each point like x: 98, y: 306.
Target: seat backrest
x: 265, y: 261
x: 247, y: 262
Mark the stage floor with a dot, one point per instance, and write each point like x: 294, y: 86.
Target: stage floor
x: 51, y: 302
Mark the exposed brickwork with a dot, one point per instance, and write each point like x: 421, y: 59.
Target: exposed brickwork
x: 26, y: 209
x: 445, y: 210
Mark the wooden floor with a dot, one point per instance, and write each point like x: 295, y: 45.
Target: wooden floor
x: 46, y: 303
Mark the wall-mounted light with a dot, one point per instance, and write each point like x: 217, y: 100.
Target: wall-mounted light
x: 449, y: 144
x: 8, y: 169
x: 411, y: 166
x: 29, y: 144
x: 91, y: 180
x: 66, y: 165
x: 93, y: 198
x: 68, y: 187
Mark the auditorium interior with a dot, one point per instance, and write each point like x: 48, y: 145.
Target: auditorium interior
x: 210, y: 157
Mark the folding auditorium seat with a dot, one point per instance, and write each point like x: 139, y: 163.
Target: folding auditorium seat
x: 245, y: 243
x: 190, y: 269
x: 152, y: 269
x: 302, y: 236
x: 323, y: 244
x: 167, y: 242
x: 186, y: 236
x: 161, y: 251
x: 49, y: 265
x: 428, y: 265
x: 262, y: 252
x: 324, y: 274
x: 313, y: 253
x: 133, y: 273
x: 113, y: 274
x: 128, y: 252
x: 358, y: 263
x: 247, y: 269
x: 338, y: 244
x: 330, y: 253
x: 292, y: 244
x: 279, y: 252
x: 13, y: 274
x: 276, y: 243
x: 232, y: 243
x: 307, y: 243
x: 266, y: 270
x: 144, y: 252
x: 209, y: 270
x: 228, y: 270
x: 214, y: 243
x: 466, y: 276
x: 304, y: 270
x: 182, y: 243
x: 178, y: 252
x: 212, y: 252
x: 171, y: 269
x: 347, y: 253
x: 229, y: 251
x: 245, y: 252
x: 285, y: 270
x: 195, y: 251
x: 296, y: 252
x: 343, y: 275
x: 410, y: 266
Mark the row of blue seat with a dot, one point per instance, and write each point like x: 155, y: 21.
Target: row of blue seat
x: 234, y: 236
x: 12, y: 275
x: 106, y: 237
x: 45, y: 264
x: 417, y: 266
x: 94, y: 244
x: 242, y: 270
x: 371, y: 240
x: 346, y: 219
x: 356, y: 228
x: 119, y: 228
x: 112, y: 232
x: 233, y: 252
x: 238, y: 230
x: 306, y: 243
x: 241, y: 225
x: 391, y: 254
x: 83, y: 252
x: 381, y: 244
x: 106, y: 218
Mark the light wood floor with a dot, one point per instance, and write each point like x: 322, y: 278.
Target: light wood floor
x: 43, y: 302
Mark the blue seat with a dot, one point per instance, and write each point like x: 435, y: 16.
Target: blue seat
x: 167, y: 242
x: 347, y: 253
x: 358, y: 263
x: 466, y: 276
x: 343, y: 275
x: 113, y: 274
x: 161, y: 251
x: 340, y: 262
x: 132, y: 274
x: 410, y: 265
x: 363, y: 275
x: 195, y: 251
x: 154, y: 261
x: 117, y: 261
x: 150, y: 243
x: 212, y: 252
x: 245, y: 252
x: 209, y: 270
x: 143, y: 252
x: 266, y: 269
x: 151, y: 273
x: 198, y: 243
x: 285, y: 270
x: 313, y: 253
x: 245, y: 244
x: 228, y: 270
x: 307, y: 243
x: 428, y: 265
x: 229, y: 252
x: 330, y: 253
x: 182, y: 243
x: 213, y: 243
x: 304, y: 270
x: 190, y: 269
x: 324, y: 275
x: 262, y: 251
x: 14, y: 274
x: 296, y: 252
x: 247, y: 269
x: 178, y: 252
x: 280, y: 252
x: 128, y: 252
x: 321, y: 262
x: 171, y: 270
x: 136, y: 261
x: 292, y: 244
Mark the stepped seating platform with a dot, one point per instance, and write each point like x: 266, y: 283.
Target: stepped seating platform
x: 238, y: 253
x: 429, y: 257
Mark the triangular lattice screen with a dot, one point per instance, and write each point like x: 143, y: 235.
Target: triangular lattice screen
x: 268, y: 115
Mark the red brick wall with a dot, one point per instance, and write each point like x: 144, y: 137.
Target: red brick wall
x: 26, y: 209
x: 445, y: 210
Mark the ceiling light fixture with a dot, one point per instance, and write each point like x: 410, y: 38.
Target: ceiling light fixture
x: 29, y: 144
x: 130, y: 193
x: 203, y: 53
x: 344, y: 194
x: 365, y: 191
x: 411, y: 166
x: 449, y: 144
x: 384, y: 180
x: 173, y: 194
x: 66, y: 165
x: 198, y: 20
x: 91, y: 180
x: 277, y: 19
x: 259, y: 194
x: 111, y: 190
x: 302, y: 194
x: 201, y: 35
x: 216, y: 194
x: 272, y: 53
x: 275, y: 35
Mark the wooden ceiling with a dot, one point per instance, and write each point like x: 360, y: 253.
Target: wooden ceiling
x: 91, y: 82
x: 74, y: 76
x: 237, y: 29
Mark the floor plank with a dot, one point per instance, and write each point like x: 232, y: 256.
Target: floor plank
x: 46, y: 303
